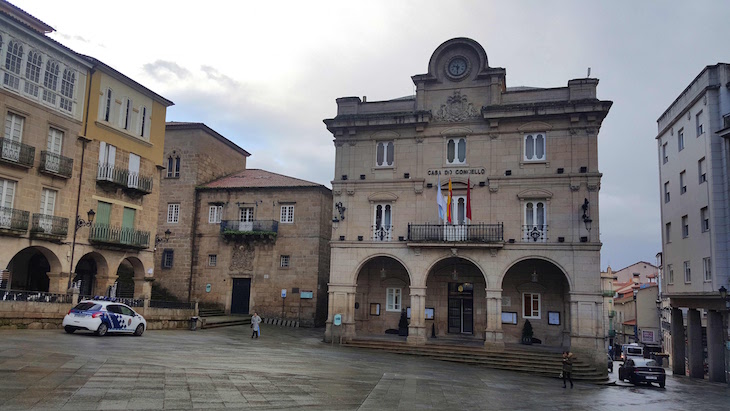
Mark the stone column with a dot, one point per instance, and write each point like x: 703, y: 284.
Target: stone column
x: 417, y: 326
x: 102, y: 284
x: 715, y: 348
x: 57, y: 283
x: 677, y: 331
x: 694, y: 344
x: 143, y: 287
x: 493, y: 334
x: 341, y: 301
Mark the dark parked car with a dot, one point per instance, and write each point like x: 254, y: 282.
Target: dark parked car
x: 636, y: 370
x: 610, y: 363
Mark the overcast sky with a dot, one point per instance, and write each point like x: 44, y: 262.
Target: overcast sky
x: 266, y: 73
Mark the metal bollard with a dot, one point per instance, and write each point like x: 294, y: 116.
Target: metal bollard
x: 193, y: 323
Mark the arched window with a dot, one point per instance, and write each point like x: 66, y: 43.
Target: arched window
x: 33, y: 73
x: 13, y: 59
x: 50, y: 82
x: 535, y: 227
x: 67, y: 89
x: 535, y: 147
x: 173, y: 167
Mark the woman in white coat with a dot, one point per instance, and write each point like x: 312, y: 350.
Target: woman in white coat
x: 255, y: 321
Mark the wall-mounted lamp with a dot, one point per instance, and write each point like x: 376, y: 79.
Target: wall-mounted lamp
x: 164, y: 239
x: 723, y: 292
x: 455, y: 275
x: 340, y: 209
x: 586, y: 215
x: 383, y: 273
x: 534, y: 276
x: 90, y: 220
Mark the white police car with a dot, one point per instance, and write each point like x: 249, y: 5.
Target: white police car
x: 102, y: 316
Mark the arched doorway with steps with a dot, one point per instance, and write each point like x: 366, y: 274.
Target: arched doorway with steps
x: 538, y: 291
x: 29, y: 269
x: 382, y: 294
x: 455, y: 305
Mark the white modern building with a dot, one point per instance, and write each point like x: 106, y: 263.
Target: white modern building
x: 694, y: 162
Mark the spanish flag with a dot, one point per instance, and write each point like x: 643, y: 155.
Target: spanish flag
x: 448, y: 204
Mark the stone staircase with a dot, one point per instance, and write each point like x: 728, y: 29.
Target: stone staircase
x: 536, y: 362
x: 216, y: 317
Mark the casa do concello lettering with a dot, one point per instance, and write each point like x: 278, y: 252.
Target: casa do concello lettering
x: 456, y: 171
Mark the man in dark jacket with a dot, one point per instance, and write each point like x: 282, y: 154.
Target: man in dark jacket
x: 567, y: 368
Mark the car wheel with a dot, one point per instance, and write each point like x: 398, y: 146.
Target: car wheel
x: 102, y: 329
x: 140, y: 329
x: 69, y: 329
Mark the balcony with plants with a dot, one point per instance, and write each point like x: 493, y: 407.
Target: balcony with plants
x: 249, y: 230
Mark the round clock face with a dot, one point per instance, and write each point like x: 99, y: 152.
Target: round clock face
x: 457, y: 67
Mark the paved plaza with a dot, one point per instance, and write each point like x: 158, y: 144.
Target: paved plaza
x: 286, y: 369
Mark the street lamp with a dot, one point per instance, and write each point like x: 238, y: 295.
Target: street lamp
x: 586, y: 217
x: 165, y: 239
x: 89, y: 219
x: 636, y: 313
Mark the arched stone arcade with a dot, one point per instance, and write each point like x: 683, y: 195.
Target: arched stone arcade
x: 31, y: 268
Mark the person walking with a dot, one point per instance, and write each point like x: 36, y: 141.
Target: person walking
x: 567, y: 368
x: 255, y: 321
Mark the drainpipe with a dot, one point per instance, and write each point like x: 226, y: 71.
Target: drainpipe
x: 84, y: 140
x: 193, y: 254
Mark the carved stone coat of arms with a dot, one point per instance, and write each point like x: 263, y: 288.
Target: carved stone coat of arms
x: 457, y: 108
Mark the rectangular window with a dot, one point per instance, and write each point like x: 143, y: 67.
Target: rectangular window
x: 393, y: 299
x: 687, y: 272
x: 702, y: 170
x: 535, y: 147
x: 456, y: 151
x: 108, y: 105
x: 705, y: 219
x: 287, y: 214
x: 665, y: 158
x: 384, y: 154
x: 680, y: 140
x: 167, y: 258
x: 698, y: 122
x: 531, y: 305
x: 13, y: 137
x: 173, y: 213
x: 670, y: 276
x: 284, y: 261
x: 682, y: 185
x: 127, y: 114
x: 685, y: 227
x: 666, y: 192
x: 245, y: 214
x: 212, y: 260
x: 214, y: 214
x: 707, y: 268
x: 668, y: 232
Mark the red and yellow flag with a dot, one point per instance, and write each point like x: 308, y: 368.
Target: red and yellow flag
x: 448, y: 204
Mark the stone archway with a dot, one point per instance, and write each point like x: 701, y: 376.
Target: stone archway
x: 382, y: 294
x: 90, y: 268
x: 455, y: 303
x: 130, y: 278
x: 536, y: 290
x: 29, y: 269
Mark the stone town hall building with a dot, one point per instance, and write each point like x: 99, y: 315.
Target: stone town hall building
x: 524, y: 159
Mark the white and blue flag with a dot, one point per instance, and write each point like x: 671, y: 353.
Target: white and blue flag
x: 440, y: 201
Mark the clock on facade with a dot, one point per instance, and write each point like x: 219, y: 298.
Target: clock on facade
x: 457, y: 67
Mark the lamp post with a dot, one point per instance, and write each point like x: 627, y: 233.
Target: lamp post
x: 636, y: 314
x: 586, y: 217
x: 164, y: 239
x: 79, y: 223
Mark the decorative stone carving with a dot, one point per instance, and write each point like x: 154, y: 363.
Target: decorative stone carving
x: 457, y: 108
x: 592, y: 187
x: 574, y: 187
x: 350, y: 191
x: 337, y: 191
x: 242, y: 258
x: 493, y: 252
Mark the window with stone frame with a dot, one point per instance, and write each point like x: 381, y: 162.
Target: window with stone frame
x: 393, y: 299
x: 214, y: 214
x: 702, y: 171
x: 456, y: 150
x: 535, y: 147
x: 705, y: 219
x: 531, y: 305
x: 108, y: 105
x: 384, y: 155
x: 687, y: 272
x: 682, y: 185
x: 699, y: 125
x: 287, y: 214
x: 173, y: 213
x: 665, y: 158
x: 212, y: 260
x: 680, y: 140
x: 670, y: 276
x: 685, y: 226
x: 173, y: 167
x: 284, y: 261
x: 668, y: 232
x: 535, y: 227
x: 707, y: 268
x: 167, y: 257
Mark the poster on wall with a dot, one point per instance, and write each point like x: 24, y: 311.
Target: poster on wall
x: 509, y: 318
x: 554, y: 317
x: 647, y: 336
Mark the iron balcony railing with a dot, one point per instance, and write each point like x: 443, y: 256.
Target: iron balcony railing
x: 49, y: 225
x: 468, y: 233
x: 382, y: 233
x: 536, y: 233
x: 12, y: 219
x: 120, y: 236
x: 18, y: 153
x: 256, y: 226
x: 124, y: 178
x: 56, y: 164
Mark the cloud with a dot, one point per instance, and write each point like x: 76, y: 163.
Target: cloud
x: 165, y: 71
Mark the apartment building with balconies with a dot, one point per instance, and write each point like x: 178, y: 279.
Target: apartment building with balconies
x: 470, y: 206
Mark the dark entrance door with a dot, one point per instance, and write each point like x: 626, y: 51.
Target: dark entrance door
x: 241, y: 295
x: 461, y: 308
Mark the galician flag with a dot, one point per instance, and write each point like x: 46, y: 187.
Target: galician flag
x: 468, y: 201
x: 448, y: 204
x: 440, y: 201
